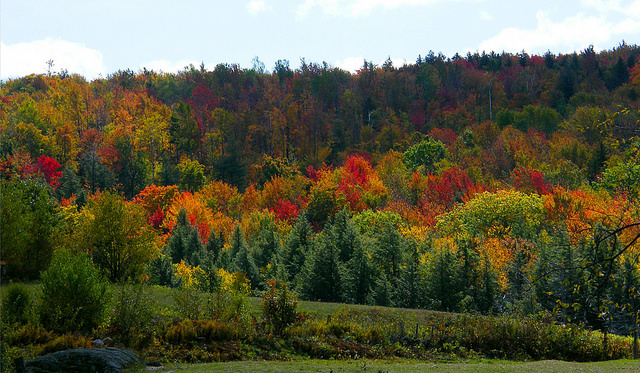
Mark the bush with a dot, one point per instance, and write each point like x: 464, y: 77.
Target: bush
x: 188, y: 302
x: 279, y: 306
x: 132, y: 313
x: 74, y: 294
x: 17, y: 306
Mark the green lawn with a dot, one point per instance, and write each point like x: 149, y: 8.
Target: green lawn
x: 408, y: 366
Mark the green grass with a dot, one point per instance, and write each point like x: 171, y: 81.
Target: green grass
x: 341, y: 331
x: 404, y: 365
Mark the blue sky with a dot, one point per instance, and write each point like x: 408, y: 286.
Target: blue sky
x: 98, y: 37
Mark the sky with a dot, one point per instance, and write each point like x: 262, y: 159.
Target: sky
x: 96, y: 38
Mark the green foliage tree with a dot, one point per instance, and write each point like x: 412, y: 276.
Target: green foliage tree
x: 183, y: 131
x: 622, y: 177
x: 29, y: 219
x: 131, y: 167
x: 17, y: 305
x: 117, y: 236
x: 191, y: 175
x: 500, y: 214
x: 74, y: 294
x: 425, y: 155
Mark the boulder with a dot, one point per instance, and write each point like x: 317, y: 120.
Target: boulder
x: 80, y: 360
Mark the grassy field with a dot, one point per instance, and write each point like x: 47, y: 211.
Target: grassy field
x: 402, y: 366
x: 336, y: 337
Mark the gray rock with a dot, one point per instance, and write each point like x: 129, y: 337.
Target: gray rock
x: 80, y: 360
x: 98, y: 343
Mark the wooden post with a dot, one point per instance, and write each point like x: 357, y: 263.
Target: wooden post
x: 635, y: 343
x: 635, y: 338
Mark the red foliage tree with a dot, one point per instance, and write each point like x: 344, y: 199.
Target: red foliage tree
x: 48, y: 167
x: 286, y: 211
x: 529, y: 180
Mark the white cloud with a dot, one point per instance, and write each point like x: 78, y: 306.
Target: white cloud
x: 351, y: 64
x: 22, y: 59
x: 169, y: 66
x: 256, y: 6
x: 571, y: 34
x: 355, y: 8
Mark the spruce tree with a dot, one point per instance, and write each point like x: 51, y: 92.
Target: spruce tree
x: 320, y: 279
x: 410, y: 290
x: 343, y: 235
x: 297, y: 245
x: 266, y: 245
x: 243, y: 262
x: 214, y: 246
x: 185, y: 243
x: 357, y: 277
x: 443, y: 282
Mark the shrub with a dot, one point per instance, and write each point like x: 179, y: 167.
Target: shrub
x: 17, y: 306
x: 188, y: 302
x: 279, y: 306
x: 74, y: 294
x: 132, y: 313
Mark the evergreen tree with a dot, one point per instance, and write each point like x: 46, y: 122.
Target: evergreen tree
x: 388, y: 252
x: 185, y: 243
x: 343, y: 235
x: 237, y: 242
x: 214, y: 246
x: 486, y: 302
x: 357, y: 278
x: 443, y: 282
x: 161, y: 271
x: 297, y: 245
x: 267, y: 244
x: 243, y: 262
x: 383, y: 291
x: 410, y: 290
x: 469, y: 275
x: 69, y: 183
x: 320, y: 279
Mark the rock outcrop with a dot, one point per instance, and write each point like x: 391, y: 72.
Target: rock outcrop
x: 81, y: 360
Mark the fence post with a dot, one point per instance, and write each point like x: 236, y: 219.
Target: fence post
x: 635, y: 338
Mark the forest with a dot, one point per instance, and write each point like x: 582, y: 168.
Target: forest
x: 488, y: 183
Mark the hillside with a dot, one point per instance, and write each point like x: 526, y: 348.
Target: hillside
x: 491, y: 184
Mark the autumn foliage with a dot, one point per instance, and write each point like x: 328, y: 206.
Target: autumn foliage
x: 490, y: 176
